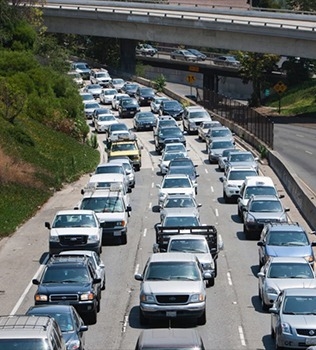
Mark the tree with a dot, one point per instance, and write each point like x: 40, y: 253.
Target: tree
x: 256, y: 67
x: 302, y: 5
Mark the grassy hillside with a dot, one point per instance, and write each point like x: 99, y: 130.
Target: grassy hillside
x: 35, y: 161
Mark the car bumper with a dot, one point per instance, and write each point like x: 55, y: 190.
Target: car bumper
x: 145, y: 127
x: 154, y: 311
x: 254, y: 228
x: 113, y: 233
x: 295, y: 341
x: 56, y: 248
x: 232, y: 192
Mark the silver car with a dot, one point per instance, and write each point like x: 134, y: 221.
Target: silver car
x: 183, y: 55
x: 293, y: 321
x: 280, y: 273
x: 245, y: 158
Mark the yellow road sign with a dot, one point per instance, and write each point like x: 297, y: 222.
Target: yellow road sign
x: 280, y: 87
x: 190, y: 78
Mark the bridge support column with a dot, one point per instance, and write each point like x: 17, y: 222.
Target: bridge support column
x: 210, y: 82
x: 128, y: 59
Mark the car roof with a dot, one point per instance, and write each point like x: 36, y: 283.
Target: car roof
x: 106, y: 177
x: 169, y: 337
x: 78, y: 252
x: 286, y: 227
x: 265, y: 198
x: 241, y: 168
x: 190, y: 237
x: 176, y: 176
x: 300, y: 292
x: 259, y: 181
x: 179, y: 256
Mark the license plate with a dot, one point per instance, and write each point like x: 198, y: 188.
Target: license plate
x: 171, y: 313
x: 117, y: 233
x: 310, y: 341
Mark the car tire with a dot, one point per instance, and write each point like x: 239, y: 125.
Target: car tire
x: 91, y: 318
x: 202, y: 319
x: 264, y: 306
x: 246, y: 232
x: 98, y: 305
x: 142, y: 318
x: 215, y: 268
x: 103, y: 285
x: 272, y: 333
x: 225, y: 197
x: 124, y: 239
x: 210, y: 282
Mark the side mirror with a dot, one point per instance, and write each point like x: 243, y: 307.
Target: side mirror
x: 82, y: 191
x: 128, y: 208
x: 36, y: 282
x: 274, y: 310
x: 281, y: 196
x: 199, y: 205
x: 47, y: 225
x: 158, y: 186
x: 83, y: 328
x: 260, y: 274
x: 261, y: 244
x: 96, y: 280
x: 286, y: 209
x: 138, y: 277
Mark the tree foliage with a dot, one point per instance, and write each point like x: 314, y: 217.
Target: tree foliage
x: 302, y: 5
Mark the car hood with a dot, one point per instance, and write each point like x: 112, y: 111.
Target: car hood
x: 75, y: 231
x: 199, y: 120
x: 300, y: 321
x: 235, y: 182
x: 172, y: 287
x: 63, y: 288
x: 295, y: 251
x: 204, y: 258
x: 282, y: 283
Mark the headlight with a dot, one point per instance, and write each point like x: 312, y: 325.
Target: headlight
x: 207, y: 266
x: 250, y: 218
x: 162, y: 195
x: 271, y: 290
x: 41, y: 297
x: 195, y: 298
x: 93, y: 238
x: 73, y: 345
x: 120, y: 223
x: 86, y: 296
x: 147, y: 298
x: 309, y: 258
x: 54, y: 238
x: 286, y: 328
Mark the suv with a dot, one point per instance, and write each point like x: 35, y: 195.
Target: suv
x: 145, y: 95
x: 193, y: 116
x: 74, y: 229
x: 112, y: 211
x: 82, y: 68
x: 21, y: 332
x: 168, y: 135
x: 172, y: 286
x: 101, y: 77
x: 146, y: 49
x: 126, y: 147
x: 70, y: 280
x: 287, y: 239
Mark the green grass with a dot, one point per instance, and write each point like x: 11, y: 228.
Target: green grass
x: 297, y: 101
x: 37, y: 162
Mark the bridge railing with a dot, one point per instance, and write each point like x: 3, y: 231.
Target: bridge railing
x: 238, y: 113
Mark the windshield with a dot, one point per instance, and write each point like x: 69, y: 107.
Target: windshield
x: 299, y: 305
x: 181, y: 221
x: 74, y: 220
x: 170, y: 156
x: 241, y: 158
x: 91, y: 106
x: 106, y: 118
x: 220, y: 133
x: 63, y: 274
x: 188, y: 246
x: 221, y: 145
x: 182, y: 170
x: 171, y: 183
x: 170, y: 132
x: 172, y: 271
x: 171, y: 104
x: 103, y: 204
x: 288, y: 238
x: 180, y: 203
x: 172, y: 147
x: 110, y: 92
x: 290, y: 270
x: 260, y: 190
x: 116, y: 169
x: 199, y: 114
x: 265, y: 206
x: 123, y: 147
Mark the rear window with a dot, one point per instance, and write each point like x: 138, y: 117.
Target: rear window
x: 24, y: 344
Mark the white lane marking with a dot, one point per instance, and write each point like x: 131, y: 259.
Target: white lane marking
x: 241, y: 336
x: 308, y: 152
x: 229, y: 279
x: 206, y: 171
x: 125, y: 323
x: 299, y: 135
x: 152, y: 185
x: 149, y: 206
x: 136, y: 269
x: 212, y: 189
x: 28, y: 287
x: 145, y: 232
x: 216, y: 212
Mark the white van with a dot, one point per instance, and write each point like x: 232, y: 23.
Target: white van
x: 255, y: 185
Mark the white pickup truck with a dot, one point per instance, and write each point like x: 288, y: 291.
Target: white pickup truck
x: 101, y: 77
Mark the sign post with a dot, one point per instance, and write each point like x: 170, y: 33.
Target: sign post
x: 190, y: 79
x: 280, y: 87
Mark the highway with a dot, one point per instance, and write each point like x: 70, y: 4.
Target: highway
x: 234, y: 316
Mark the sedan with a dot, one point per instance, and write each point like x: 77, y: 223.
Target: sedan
x: 293, y: 320
x: 130, y: 89
x: 280, y: 273
x: 183, y: 55
x: 179, y: 201
x: 69, y: 321
x: 168, y: 135
x: 87, y: 97
x: 175, y: 147
x: 89, y: 108
x: 102, y: 122
x: 165, y: 160
x: 199, y: 55
x: 116, y: 100
x: 156, y: 102
x: 172, y: 107
x: 222, y: 159
x: 94, y: 89
x: 145, y: 95
x: 245, y: 158
x: 117, y: 83
x: 107, y: 95
x: 204, y: 127
x: 217, y: 147
x: 128, y: 107
x: 144, y: 121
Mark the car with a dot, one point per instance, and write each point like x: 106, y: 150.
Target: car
x: 193, y: 116
x: 217, y: 147
x: 103, y: 121
x: 245, y: 158
x: 293, y: 318
x: 172, y: 286
x: 156, y: 102
x: 165, y: 160
x: 168, y: 135
x: 74, y: 229
x: 101, y: 111
x: 171, y: 107
x: 183, y: 55
x: 128, y: 107
x: 71, y: 281
x: 87, y: 97
x: 89, y: 108
x: 281, y: 273
x: 146, y: 50
x: 113, y: 168
x: 222, y: 159
x: 218, y: 132
x: 76, y: 77
x: 130, y: 88
x: 184, y: 165
x: 82, y: 68
x: 179, y: 201
x: 164, y: 121
x: 204, y: 127
x: 227, y: 61
x: 233, y: 181
x: 261, y: 210
x: 107, y: 95
x: 128, y: 167
x: 180, y: 217
x: 23, y: 332
x: 169, y: 338
x: 116, y: 100
x: 70, y: 323
x: 200, y: 56
x: 257, y: 185
x: 100, y: 76
x: 94, y: 89
x: 197, y: 245
x: 96, y: 260
x: 172, y: 184
x: 117, y: 83
x: 175, y: 147
x: 144, y: 95
x: 116, y: 127
x: 144, y: 121
x: 285, y: 239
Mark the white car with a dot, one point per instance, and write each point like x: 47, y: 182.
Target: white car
x: 102, y: 122
x: 193, y: 116
x: 89, y: 108
x: 156, y: 102
x: 175, y: 147
x: 96, y: 260
x: 117, y: 83
x: 233, y: 181
x: 116, y: 100
x: 165, y: 160
x: 175, y: 184
x: 107, y: 95
x: 94, y: 89
x: 87, y: 97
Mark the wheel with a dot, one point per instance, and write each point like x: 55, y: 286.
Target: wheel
x: 124, y: 239
x: 246, y: 232
x: 202, y: 319
x: 196, y: 191
x: 210, y: 282
x: 225, y: 197
x: 215, y: 269
x: 264, y: 306
x: 272, y: 333
x: 184, y: 128
x: 103, y: 285
x: 142, y: 318
x: 98, y: 305
x: 238, y: 212
x: 91, y: 318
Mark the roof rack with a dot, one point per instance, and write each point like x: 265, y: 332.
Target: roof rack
x: 24, y: 322
x: 114, y: 187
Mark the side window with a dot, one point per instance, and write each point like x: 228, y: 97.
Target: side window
x: 55, y: 338
x: 91, y: 271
